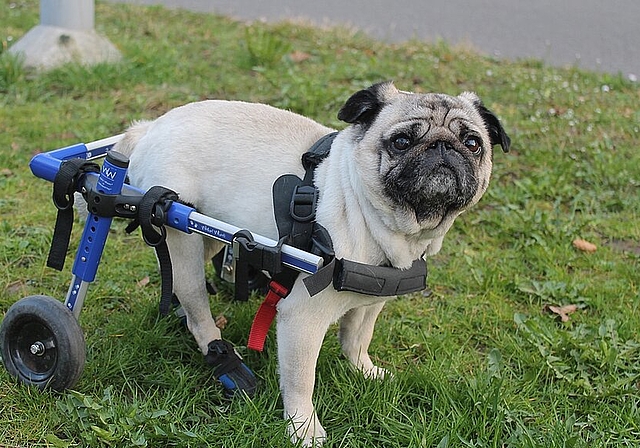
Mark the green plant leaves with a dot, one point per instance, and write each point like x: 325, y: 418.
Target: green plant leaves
x: 107, y: 422
x: 595, y: 362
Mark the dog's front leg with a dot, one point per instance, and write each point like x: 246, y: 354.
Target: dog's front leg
x: 356, y: 331
x: 187, y: 254
x: 302, y: 325
x: 189, y: 285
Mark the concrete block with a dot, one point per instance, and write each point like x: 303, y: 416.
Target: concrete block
x: 45, y: 47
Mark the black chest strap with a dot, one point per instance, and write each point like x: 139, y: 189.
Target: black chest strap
x: 379, y: 281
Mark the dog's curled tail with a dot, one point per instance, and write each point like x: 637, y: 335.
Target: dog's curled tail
x: 136, y: 131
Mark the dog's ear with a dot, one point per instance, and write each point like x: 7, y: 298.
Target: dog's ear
x: 363, y: 106
x: 496, y: 131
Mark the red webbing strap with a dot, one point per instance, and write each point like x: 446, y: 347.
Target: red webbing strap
x: 265, y: 315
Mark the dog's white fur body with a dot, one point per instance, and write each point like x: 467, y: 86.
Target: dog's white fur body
x: 191, y: 151
x: 223, y: 157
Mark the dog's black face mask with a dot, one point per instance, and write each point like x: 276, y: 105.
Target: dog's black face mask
x: 432, y: 178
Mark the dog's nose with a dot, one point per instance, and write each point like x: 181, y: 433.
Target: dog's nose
x: 441, y: 145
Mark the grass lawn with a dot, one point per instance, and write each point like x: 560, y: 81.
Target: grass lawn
x: 480, y: 362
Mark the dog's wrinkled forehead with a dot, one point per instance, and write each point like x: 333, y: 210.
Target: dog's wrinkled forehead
x: 383, y: 104
x: 434, y: 111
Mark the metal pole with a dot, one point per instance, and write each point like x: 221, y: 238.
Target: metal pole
x: 70, y: 14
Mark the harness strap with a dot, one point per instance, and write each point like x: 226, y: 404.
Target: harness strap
x: 321, y: 279
x: 265, y: 315
x: 253, y: 254
x: 379, y: 281
x: 64, y: 186
x: 152, y: 215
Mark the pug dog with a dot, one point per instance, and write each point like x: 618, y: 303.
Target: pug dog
x: 390, y: 188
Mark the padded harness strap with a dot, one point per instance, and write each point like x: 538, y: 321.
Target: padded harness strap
x: 64, y: 186
x: 379, y: 281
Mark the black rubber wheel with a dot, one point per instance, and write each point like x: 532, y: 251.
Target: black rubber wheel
x: 42, y: 343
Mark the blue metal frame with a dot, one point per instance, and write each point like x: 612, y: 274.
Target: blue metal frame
x: 110, y: 180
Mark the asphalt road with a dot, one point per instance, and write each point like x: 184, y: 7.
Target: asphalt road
x: 591, y: 34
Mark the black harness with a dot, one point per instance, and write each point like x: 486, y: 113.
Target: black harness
x: 295, y: 203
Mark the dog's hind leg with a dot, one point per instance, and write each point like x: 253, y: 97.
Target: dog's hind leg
x: 356, y: 331
x: 187, y: 256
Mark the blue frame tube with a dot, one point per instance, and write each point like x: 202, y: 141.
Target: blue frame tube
x: 47, y: 164
x: 96, y: 230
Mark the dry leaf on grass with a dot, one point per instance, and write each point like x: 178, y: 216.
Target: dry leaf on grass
x: 584, y: 245
x: 143, y: 282
x: 221, y: 322
x: 299, y: 56
x: 562, y: 311
x: 15, y: 287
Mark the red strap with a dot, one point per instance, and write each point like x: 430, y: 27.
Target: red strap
x: 265, y: 315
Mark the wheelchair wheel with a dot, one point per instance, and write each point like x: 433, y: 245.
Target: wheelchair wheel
x: 42, y: 343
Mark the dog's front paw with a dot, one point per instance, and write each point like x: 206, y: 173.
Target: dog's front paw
x: 308, y: 432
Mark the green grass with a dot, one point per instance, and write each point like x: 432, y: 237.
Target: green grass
x: 478, y: 362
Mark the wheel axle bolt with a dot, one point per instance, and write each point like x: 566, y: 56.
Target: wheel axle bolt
x: 37, y: 348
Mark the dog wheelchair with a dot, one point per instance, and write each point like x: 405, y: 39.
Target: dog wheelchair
x: 42, y: 341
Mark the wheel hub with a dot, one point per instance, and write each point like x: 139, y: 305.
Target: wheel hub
x: 34, y: 351
x: 37, y: 348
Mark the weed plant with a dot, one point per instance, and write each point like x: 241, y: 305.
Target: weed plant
x: 478, y: 362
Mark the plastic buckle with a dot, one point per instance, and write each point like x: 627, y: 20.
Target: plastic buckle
x: 303, y: 203
x: 261, y: 257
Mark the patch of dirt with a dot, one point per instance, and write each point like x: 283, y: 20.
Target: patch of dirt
x: 630, y: 246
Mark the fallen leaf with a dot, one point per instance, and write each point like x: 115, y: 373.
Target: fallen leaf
x: 299, y: 56
x: 221, y: 322
x: 584, y: 245
x: 562, y: 311
x: 143, y: 282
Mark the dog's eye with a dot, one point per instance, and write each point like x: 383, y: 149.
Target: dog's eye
x: 401, y: 142
x: 473, y: 144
